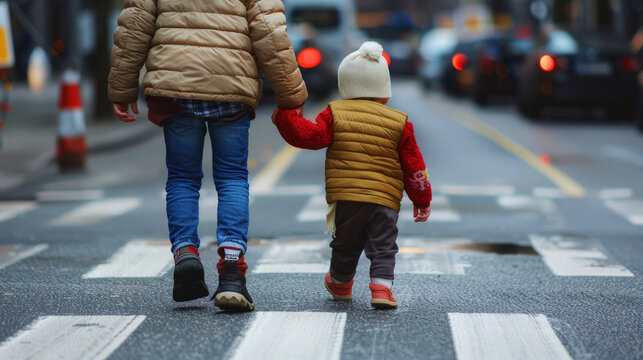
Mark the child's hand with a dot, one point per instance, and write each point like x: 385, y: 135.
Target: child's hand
x: 300, y: 113
x: 421, y: 215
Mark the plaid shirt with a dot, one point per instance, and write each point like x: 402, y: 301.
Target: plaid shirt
x: 212, y: 109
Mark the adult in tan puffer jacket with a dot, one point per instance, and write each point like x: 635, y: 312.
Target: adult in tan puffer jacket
x: 205, y: 60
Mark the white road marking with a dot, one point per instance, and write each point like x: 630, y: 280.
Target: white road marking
x: 11, y: 209
x: 623, y: 154
x: 432, y: 263
x: 97, y: 211
x: 311, y: 268
x: 293, y: 335
x: 69, y: 195
x: 438, y: 215
x: 417, y: 256
x: 476, y: 190
x: 295, y: 257
x: 315, y: 209
x: 574, y: 257
x: 70, y: 337
x: 440, y: 210
x: 619, y: 193
x: 431, y: 256
x: 544, y: 205
x: 505, y: 337
x: 632, y: 210
x: 138, y: 258
x: 11, y: 254
x: 547, y: 192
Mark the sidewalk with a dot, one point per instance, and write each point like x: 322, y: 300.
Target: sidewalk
x: 29, y: 138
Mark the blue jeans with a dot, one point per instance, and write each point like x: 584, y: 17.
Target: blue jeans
x: 184, y: 136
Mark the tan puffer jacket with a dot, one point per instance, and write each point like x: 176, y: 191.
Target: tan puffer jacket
x: 205, y: 49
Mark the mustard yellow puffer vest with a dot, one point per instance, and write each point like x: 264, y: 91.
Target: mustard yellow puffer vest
x: 362, y: 162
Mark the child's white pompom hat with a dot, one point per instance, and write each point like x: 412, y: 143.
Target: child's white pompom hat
x: 364, y: 73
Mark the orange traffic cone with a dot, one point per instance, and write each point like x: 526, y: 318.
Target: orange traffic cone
x: 71, y: 152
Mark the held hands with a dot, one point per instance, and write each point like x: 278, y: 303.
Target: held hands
x: 421, y: 215
x: 120, y: 110
x: 300, y: 113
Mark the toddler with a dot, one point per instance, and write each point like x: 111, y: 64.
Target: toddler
x: 371, y: 158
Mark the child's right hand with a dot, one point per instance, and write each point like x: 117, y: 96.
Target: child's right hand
x: 421, y: 214
x: 300, y: 113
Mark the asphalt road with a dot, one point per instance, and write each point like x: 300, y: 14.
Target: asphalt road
x: 533, y: 251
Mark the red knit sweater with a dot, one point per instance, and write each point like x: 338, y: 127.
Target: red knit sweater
x: 303, y: 133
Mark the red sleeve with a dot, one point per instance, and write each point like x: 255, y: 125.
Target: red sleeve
x: 303, y: 133
x: 416, y: 177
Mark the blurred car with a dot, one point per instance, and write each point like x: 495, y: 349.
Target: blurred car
x: 317, y: 68
x: 578, y: 69
x: 401, y: 57
x: 459, y: 76
x: 322, y: 33
x: 435, y: 47
x: 498, y: 60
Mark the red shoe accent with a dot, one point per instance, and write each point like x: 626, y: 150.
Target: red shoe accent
x: 189, y: 248
x: 341, y: 292
x: 382, y: 297
x: 242, y: 266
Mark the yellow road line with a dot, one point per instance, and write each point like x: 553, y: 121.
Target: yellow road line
x: 272, y: 172
x: 566, y: 184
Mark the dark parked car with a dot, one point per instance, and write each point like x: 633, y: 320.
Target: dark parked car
x: 578, y: 70
x: 498, y: 60
x: 459, y: 76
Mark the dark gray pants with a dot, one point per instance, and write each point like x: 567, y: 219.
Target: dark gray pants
x: 363, y: 226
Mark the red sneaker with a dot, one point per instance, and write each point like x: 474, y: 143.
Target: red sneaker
x: 382, y: 297
x: 340, y: 292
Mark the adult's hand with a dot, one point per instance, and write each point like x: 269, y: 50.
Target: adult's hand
x: 121, y: 111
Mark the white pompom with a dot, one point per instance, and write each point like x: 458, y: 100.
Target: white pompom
x: 371, y: 50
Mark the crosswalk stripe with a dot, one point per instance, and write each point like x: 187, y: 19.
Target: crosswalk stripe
x: 543, y: 205
x: 505, y: 336
x: 572, y: 257
x: 138, y: 258
x: 479, y: 190
x: 632, y: 210
x: 617, y: 193
x: 293, y: 335
x: 314, y: 210
x: 70, y: 337
x: 11, y: 254
x: 306, y: 268
x: 97, y: 211
x: 416, y: 256
x: 547, y: 192
x: 11, y: 209
x: 70, y: 195
x: 438, y: 215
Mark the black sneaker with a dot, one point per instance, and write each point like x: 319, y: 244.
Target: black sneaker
x: 188, y: 275
x: 232, y: 295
